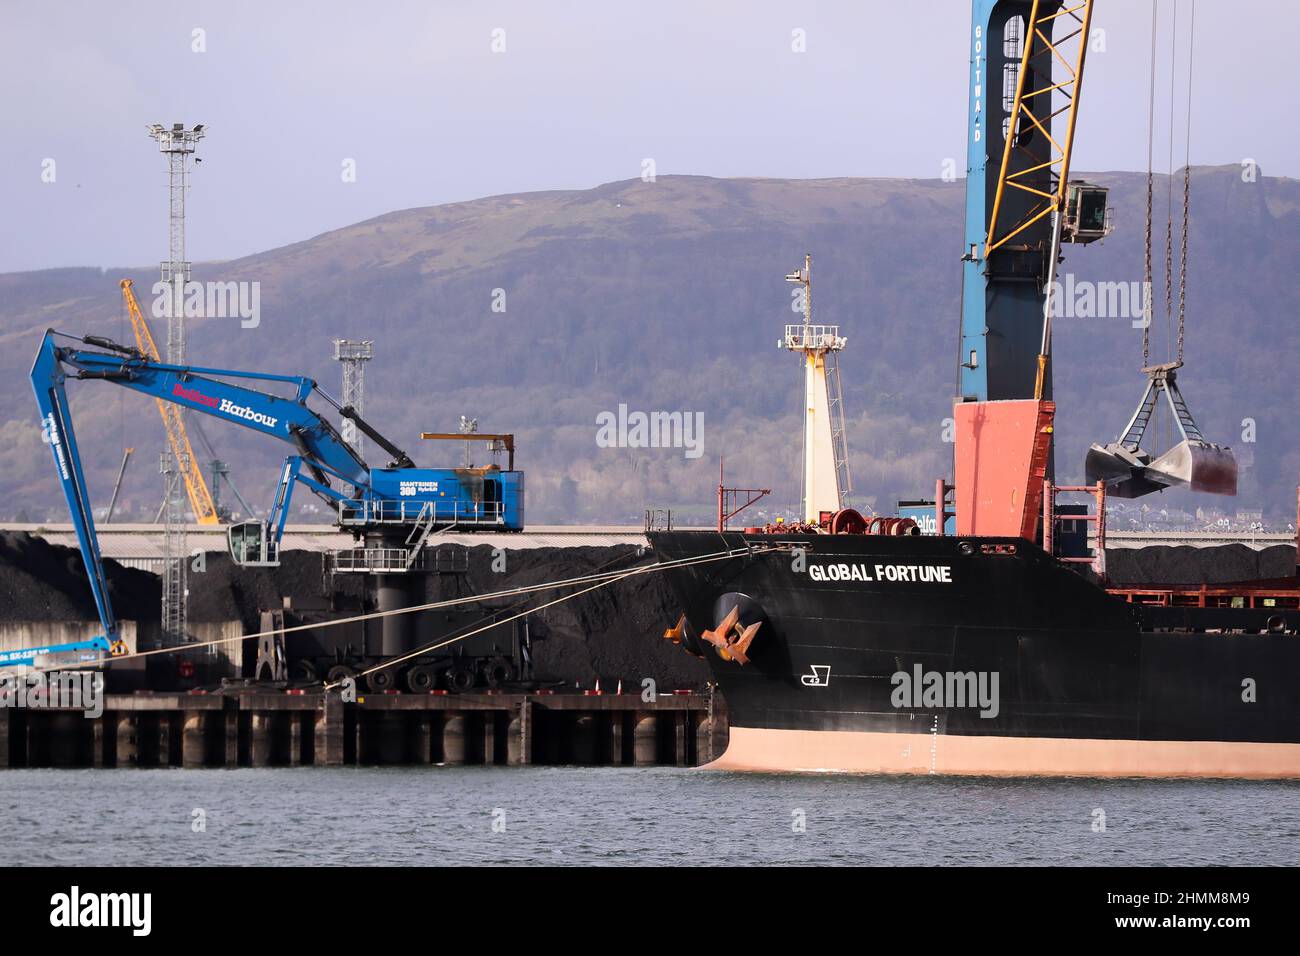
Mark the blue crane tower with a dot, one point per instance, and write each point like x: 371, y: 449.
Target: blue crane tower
x: 1027, y: 61
x: 1026, y: 75
x: 1026, y: 70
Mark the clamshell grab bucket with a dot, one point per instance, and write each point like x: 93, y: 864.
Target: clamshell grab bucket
x: 1131, y: 472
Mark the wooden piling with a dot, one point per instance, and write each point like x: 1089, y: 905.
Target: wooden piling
x: 230, y: 728
x: 422, y: 739
x: 127, y: 750
x: 99, y: 754
x: 645, y: 740
x: 328, y: 734
x: 259, y: 727
x: 193, y: 740
x: 489, y: 738
x: 164, y: 740
x: 519, y: 742
x: 453, y: 738
x: 616, y: 739
x: 584, y: 739
x: 707, y: 745
x: 390, y: 734
x: 295, y: 739
x: 259, y: 751
x: 355, y: 736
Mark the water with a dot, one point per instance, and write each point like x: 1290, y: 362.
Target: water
x: 612, y: 816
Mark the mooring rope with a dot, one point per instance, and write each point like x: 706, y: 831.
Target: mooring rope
x: 428, y: 648
x: 600, y: 580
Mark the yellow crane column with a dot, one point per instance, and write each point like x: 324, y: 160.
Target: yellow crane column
x: 205, y: 511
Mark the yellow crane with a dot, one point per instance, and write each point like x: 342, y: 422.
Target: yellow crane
x: 205, y: 511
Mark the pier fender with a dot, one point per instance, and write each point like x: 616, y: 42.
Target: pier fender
x: 737, y: 620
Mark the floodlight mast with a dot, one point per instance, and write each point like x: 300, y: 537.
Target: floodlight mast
x: 178, y: 145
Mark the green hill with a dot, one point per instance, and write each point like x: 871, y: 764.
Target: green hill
x: 669, y: 296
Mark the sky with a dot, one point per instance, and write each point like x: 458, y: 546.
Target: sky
x: 414, y: 97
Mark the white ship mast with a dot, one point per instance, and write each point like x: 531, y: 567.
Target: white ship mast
x: 826, y: 482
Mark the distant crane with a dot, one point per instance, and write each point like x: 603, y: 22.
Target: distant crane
x: 219, y: 473
x: 352, y: 355
x: 178, y: 144
x: 205, y: 509
x: 117, y: 485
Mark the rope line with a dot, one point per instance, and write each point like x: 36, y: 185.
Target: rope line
x: 428, y: 648
x: 603, y: 577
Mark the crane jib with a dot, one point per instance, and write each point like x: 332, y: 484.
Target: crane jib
x: 400, y: 501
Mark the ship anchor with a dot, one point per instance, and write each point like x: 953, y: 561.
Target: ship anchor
x: 732, y: 639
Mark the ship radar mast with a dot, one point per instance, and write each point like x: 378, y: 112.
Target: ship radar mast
x: 825, y: 480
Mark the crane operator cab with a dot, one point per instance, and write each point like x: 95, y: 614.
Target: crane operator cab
x: 1087, y: 217
x: 251, y: 546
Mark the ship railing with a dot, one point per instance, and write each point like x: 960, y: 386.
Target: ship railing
x: 366, y: 511
x: 1051, y: 517
x: 825, y: 337
x: 658, y: 519
x: 376, y: 560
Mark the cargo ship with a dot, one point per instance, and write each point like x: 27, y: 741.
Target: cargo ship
x: 974, y: 634
x: 979, y: 655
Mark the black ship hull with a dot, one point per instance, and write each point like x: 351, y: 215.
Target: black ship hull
x: 978, y: 656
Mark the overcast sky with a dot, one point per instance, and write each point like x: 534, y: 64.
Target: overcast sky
x: 584, y: 91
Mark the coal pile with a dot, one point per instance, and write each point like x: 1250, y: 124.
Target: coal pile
x: 223, y: 591
x: 40, y: 581
x: 1225, y: 564
x: 612, y: 633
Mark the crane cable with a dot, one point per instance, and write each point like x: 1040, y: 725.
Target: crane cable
x: 428, y: 648
x: 601, y: 579
x: 1178, y: 349
x: 1187, y: 186
x: 1171, y: 349
x: 1169, y: 185
x: 1151, y: 134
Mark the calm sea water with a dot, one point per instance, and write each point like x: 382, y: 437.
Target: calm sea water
x: 611, y: 816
